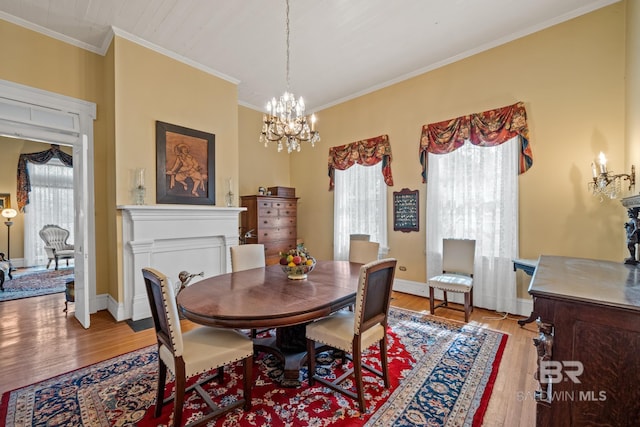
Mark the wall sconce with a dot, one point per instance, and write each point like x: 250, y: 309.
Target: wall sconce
x: 8, y: 215
x: 605, y: 183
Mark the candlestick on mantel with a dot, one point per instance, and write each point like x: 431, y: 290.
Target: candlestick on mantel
x: 140, y: 177
x: 139, y: 190
x: 593, y: 169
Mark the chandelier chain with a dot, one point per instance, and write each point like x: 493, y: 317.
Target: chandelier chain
x: 285, y: 121
x: 287, y: 24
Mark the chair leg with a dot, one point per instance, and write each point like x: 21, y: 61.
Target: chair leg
x: 247, y: 381
x: 432, y: 292
x: 221, y: 375
x: 383, y: 360
x: 162, y: 377
x: 357, y: 372
x: 48, y: 263
x: 467, y: 305
x: 56, y: 263
x: 446, y: 300
x: 311, y: 360
x: 181, y: 383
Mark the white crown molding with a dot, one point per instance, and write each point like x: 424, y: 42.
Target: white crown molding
x: 135, y: 39
x: 495, y: 43
x: 50, y: 33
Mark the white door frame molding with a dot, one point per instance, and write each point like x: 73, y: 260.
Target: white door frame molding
x: 39, y: 115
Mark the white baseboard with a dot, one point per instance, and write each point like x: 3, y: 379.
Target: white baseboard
x: 524, y: 306
x: 99, y: 303
x: 116, y: 309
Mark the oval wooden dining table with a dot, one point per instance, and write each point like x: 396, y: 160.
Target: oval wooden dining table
x: 265, y: 298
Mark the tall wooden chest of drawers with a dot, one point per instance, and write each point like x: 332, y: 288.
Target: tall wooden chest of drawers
x: 273, y: 220
x: 589, y: 342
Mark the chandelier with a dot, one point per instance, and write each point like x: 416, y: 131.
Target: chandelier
x: 605, y: 183
x: 285, y: 121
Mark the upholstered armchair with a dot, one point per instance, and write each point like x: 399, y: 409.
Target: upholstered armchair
x: 55, y: 244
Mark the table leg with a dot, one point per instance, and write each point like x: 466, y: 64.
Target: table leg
x: 533, y: 316
x: 289, y: 347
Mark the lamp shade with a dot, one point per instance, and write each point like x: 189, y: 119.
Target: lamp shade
x: 9, y: 213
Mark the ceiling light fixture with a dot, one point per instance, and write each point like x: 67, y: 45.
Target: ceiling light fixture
x: 285, y: 121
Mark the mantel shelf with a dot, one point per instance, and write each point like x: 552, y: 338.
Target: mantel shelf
x: 631, y: 201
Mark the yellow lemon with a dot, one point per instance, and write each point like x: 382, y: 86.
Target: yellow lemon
x: 309, y: 262
x: 291, y: 264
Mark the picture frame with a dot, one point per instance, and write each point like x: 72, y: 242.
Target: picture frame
x: 5, y: 201
x: 406, y: 210
x: 185, y: 165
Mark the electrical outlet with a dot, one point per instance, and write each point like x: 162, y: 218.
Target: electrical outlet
x: 402, y: 268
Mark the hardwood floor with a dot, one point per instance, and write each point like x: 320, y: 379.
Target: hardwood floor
x: 37, y: 341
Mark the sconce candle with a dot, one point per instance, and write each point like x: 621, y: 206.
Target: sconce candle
x: 603, y: 163
x: 607, y: 184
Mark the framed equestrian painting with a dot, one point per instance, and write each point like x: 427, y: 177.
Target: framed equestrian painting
x: 185, y: 163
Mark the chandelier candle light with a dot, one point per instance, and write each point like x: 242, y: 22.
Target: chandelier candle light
x: 605, y: 183
x: 285, y: 121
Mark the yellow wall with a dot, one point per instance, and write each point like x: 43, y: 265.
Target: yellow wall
x: 632, y: 76
x: 571, y: 79
x: 149, y: 87
x: 31, y: 59
x: 260, y: 166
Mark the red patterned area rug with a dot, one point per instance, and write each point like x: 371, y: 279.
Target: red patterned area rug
x: 32, y: 282
x: 442, y: 374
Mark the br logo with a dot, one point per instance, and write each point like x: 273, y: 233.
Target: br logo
x: 555, y: 372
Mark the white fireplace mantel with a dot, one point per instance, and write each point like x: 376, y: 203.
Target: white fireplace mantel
x: 171, y: 239
x: 631, y: 201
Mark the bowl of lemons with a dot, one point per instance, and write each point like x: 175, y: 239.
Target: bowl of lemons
x: 297, y: 263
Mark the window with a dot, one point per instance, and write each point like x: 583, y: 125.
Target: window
x: 51, y: 202
x: 360, y: 207
x: 472, y: 193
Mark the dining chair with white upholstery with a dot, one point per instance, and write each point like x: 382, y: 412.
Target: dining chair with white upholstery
x: 363, y: 251
x: 352, y: 332
x: 365, y: 237
x: 457, y: 274
x: 246, y: 257
x: 195, y: 352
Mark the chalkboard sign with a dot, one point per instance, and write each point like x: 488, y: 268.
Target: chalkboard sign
x: 406, y: 210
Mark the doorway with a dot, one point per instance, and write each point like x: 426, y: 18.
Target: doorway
x: 37, y: 115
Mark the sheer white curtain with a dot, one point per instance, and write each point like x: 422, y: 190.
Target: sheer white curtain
x: 50, y: 202
x: 472, y: 193
x: 359, y: 207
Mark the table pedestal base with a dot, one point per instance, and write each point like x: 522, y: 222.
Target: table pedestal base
x: 289, y: 346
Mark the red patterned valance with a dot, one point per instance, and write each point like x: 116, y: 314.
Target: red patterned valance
x: 367, y: 152
x: 486, y: 129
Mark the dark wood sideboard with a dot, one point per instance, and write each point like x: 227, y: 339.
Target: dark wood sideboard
x: 588, y: 345
x: 273, y: 222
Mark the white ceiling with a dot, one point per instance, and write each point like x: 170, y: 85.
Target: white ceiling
x: 340, y: 49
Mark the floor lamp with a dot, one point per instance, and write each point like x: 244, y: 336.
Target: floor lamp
x: 8, y: 215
